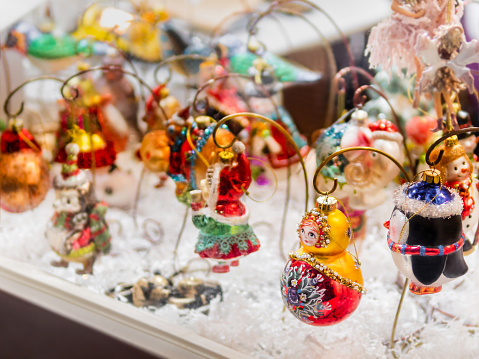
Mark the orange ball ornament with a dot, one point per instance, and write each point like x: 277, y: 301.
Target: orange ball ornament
x: 155, y: 151
x: 24, y: 173
x: 322, y: 283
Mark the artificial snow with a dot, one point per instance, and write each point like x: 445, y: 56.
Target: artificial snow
x: 250, y: 319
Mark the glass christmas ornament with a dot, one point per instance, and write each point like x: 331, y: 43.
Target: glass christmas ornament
x: 155, y: 152
x: 78, y: 231
x: 154, y: 117
x: 322, y: 283
x: 457, y: 174
x: 24, y: 175
x: 121, y: 92
x: 189, y: 161
x: 264, y: 138
x: 361, y: 175
x: 425, y: 234
x: 219, y: 214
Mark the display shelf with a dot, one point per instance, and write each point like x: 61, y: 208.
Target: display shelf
x: 138, y: 328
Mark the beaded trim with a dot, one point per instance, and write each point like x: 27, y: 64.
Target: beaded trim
x: 406, y: 249
x: 324, y: 228
x: 328, y: 272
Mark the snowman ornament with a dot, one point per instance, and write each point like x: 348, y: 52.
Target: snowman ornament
x: 78, y: 231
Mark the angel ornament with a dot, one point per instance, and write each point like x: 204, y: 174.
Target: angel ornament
x: 446, y: 57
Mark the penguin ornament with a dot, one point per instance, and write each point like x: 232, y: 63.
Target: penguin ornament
x: 425, y: 234
x: 322, y: 283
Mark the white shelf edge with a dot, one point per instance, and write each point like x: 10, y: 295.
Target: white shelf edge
x: 124, y: 322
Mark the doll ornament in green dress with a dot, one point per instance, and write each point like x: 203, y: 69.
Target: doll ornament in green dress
x: 78, y: 231
x: 219, y: 214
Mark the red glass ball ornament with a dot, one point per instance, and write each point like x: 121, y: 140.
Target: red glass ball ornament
x: 314, y: 298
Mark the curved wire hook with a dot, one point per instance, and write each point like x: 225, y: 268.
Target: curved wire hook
x: 109, y: 68
x: 278, y: 127
x: 359, y: 99
x: 276, y: 5
x: 443, y: 138
x: 322, y: 38
x: 176, y: 58
x: 337, y: 153
x: 339, y: 83
x: 234, y: 75
x: 10, y: 95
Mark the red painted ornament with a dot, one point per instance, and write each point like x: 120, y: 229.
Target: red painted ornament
x: 314, y: 298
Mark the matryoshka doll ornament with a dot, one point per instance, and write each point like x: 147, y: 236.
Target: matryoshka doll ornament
x: 425, y: 234
x: 225, y: 234
x: 78, y: 231
x: 456, y: 173
x: 24, y: 177
x: 322, y: 283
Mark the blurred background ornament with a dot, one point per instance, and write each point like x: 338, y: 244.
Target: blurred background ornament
x: 78, y: 231
x: 24, y: 174
x: 322, y: 282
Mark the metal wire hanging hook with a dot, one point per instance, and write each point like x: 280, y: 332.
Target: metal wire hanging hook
x: 276, y: 5
x: 359, y: 99
x: 177, y: 58
x: 213, y: 80
x: 110, y: 68
x: 327, y: 46
x: 443, y: 138
x: 278, y: 127
x: 339, y: 83
x: 357, y: 148
x: 10, y: 95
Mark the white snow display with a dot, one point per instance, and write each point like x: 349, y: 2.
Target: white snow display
x: 250, y: 319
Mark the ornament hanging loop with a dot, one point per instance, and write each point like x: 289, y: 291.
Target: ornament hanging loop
x: 443, y: 138
x: 349, y: 149
x: 10, y: 95
x: 178, y: 58
x: 272, y: 123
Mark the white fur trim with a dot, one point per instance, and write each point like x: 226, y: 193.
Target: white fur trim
x: 446, y: 210
x: 231, y: 221
x: 384, y: 135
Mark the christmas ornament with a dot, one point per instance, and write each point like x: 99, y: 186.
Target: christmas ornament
x: 265, y: 138
x: 24, y: 175
x: 121, y: 92
x: 219, y: 214
x: 361, y: 175
x: 322, y: 283
x: 155, y: 152
x: 78, y: 231
x: 456, y: 173
x: 156, y: 117
x: 138, y: 35
x: 189, y: 160
x: 50, y: 50
x: 425, y: 234
x: 393, y: 44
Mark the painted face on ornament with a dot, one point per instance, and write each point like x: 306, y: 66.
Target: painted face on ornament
x: 458, y: 170
x: 155, y: 151
x: 309, y: 233
x: 67, y: 200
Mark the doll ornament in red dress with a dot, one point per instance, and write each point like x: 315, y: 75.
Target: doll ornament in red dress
x: 219, y: 214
